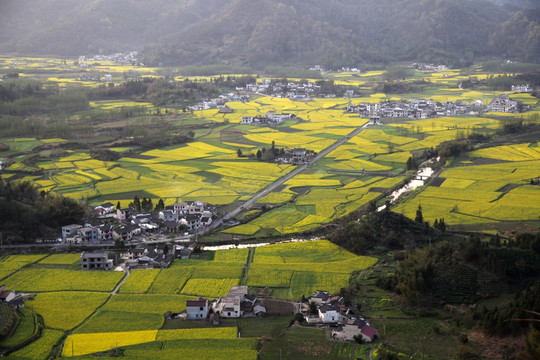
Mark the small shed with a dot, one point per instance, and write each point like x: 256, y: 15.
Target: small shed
x: 259, y: 310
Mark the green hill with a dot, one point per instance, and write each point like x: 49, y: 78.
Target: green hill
x: 257, y: 33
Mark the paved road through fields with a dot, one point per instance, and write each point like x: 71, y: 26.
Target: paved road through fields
x: 215, y: 224
x: 231, y: 214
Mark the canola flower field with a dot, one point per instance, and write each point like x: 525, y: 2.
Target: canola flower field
x: 487, y: 193
x: 209, y: 168
x: 85, y: 322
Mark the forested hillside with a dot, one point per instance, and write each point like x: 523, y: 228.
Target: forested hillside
x: 264, y: 32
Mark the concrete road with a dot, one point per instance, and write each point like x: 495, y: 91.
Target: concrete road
x: 231, y: 214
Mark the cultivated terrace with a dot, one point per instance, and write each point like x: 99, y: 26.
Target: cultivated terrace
x: 221, y: 212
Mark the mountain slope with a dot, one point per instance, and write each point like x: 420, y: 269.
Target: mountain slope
x: 262, y: 32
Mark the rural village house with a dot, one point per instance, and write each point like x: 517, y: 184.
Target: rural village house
x: 236, y: 303
x: 147, y: 257
x: 331, y: 309
x: 125, y: 224
x: 197, y: 309
x: 10, y: 297
x: 105, y: 208
x: 96, y: 261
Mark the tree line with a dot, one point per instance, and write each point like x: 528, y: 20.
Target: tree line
x: 27, y: 213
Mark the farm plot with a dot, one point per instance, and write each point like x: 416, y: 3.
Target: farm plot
x: 301, y: 252
x: 65, y: 310
x: 211, y: 288
x: 283, y: 139
x: 244, y: 229
x: 219, y: 333
x: 214, y: 349
x: 147, y: 303
x: 12, y: 263
x: 112, y: 320
x: 25, y: 330
x: 484, y: 193
x: 170, y: 281
x: 81, y: 344
x: 41, y: 348
x: 43, y: 280
x: 519, y: 152
x: 200, y: 277
x: 232, y: 255
x: 276, y: 198
x: 61, y: 259
x: 125, y: 312
x: 139, y: 281
x: 320, y: 205
x: 290, y: 269
x: 206, y: 171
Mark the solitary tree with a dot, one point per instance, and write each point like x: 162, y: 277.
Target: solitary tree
x: 160, y: 205
x: 137, y: 203
x: 239, y: 153
x: 149, y: 206
x: 442, y: 225
x: 144, y: 204
x: 259, y: 154
x: 419, y: 217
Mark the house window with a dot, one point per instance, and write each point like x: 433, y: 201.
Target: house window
x: 228, y: 314
x: 200, y: 308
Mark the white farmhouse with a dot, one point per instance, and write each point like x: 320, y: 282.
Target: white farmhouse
x: 230, y: 305
x: 197, y: 309
x: 329, y: 314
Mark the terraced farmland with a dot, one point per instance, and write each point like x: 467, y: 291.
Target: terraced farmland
x: 325, y: 197
x: 484, y: 194
x: 130, y: 319
x: 295, y: 269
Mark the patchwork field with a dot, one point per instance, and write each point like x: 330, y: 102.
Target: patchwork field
x: 297, y: 269
x: 320, y: 198
x: 65, y: 310
x: 12, y: 263
x: 100, y: 322
x: 484, y: 194
x: 44, y: 280
x: 209, y: 168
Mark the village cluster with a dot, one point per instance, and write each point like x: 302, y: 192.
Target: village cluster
x: 322, y: 308
x: 142, y: 257
x: 425, y: 109
x: 237, y: 303
x: 291, y: 90
x: 219, y: 102
x: 504, y: 104
x: 120, y: 58
x: 420, y: 66
x: 125, y: 224
x: 349, y: 324
x: 346, y: 322
x: 415, y: 109
x: 295, y: 156
x: 271, y: 118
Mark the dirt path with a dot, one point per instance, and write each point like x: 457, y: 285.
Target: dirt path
x: 126, y: 275
x: 247, y: 266
x: 114, y: 292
